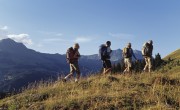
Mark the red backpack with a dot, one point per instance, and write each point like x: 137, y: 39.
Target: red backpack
x: 70, y: 55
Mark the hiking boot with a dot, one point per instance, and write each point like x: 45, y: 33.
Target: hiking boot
x: 64, y: 80
x: 76, y: 80
x: 123, y: 73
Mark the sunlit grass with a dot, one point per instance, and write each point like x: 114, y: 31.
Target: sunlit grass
x: 140, y: 91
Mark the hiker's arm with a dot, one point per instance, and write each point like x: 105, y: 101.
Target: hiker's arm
x: 67, y: 55
x: 110, y: 51
x: 77, y: 54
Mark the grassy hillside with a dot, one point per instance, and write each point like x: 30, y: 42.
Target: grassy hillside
x: 142, y: 91
x: 156, y: 91
x: 171, y: 62
x: 173, y: 55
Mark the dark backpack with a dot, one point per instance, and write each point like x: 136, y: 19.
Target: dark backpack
x: 70, y: 55
x: 103, y: 52
x: 127, y: 53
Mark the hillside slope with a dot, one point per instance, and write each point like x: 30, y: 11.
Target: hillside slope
x: 155, y: 91
x: 173, y: 55
x: 171, y: 62
x: 144, y: 91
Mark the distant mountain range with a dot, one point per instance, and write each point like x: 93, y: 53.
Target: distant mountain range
x: 20, y: 65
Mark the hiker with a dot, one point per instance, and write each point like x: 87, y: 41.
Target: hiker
x: 104, y: 53
x: 72, y: 56
x: 127, y: 54
x: 147, y: 54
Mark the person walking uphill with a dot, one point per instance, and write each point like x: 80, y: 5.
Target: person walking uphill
x: 104, y: 53
x: 72, y: 56
x: 147, y: 54
x: 127, y: 54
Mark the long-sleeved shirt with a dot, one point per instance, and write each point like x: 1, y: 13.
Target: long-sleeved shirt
x: 76, y: 54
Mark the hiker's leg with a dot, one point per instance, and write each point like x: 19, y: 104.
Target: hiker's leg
x: 109, y: 66
x: 126, y: 65
x: 78, y: 74
x: 104, y: 70
x: 104, y: 66
x: 76, y: 66
x: 147, y: 64
x: 125, y: 70
x: 128, y: 68
x: 69, y: 75
x: 108, y: 70
x: 72, y: 69
x: 150, y: 64
x: 127, y: 62
x: 129, y: 65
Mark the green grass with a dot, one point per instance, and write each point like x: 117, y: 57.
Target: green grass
x: 140, y: 91
x: 173, y: 55
x: 172, y: 63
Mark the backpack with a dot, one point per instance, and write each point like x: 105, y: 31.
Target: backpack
x: 127, y: 53
x: 146, y: 51
x: 70, y: 55
x: 102, y: 52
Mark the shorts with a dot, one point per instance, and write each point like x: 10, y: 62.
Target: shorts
x: 74, y: 67
x: 128, y: 62
x: 148, y: 61
x: 107, y: 64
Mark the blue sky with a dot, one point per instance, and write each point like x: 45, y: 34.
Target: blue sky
x: 51, y: 26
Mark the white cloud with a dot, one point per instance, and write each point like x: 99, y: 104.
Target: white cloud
x: 82, y: 39
x: 122, y: 36
x: 24, y: 38
x: 4, y: 28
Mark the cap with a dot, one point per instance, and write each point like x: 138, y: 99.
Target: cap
x: 129, y: 44
x: 108, y: 43
x: 150, y: 42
